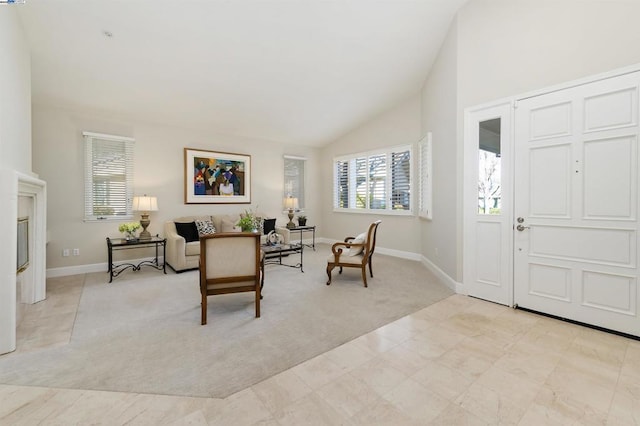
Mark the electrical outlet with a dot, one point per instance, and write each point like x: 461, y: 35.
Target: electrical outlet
x: 437, y: 252
x: 76, y: 252
x: 65, y: 252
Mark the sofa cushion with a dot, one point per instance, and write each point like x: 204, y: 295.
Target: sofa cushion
x: 188, y: 231
x: 268, y: 226
x: 229, y: 225
x: 205, y: 227
x: 192, y: 248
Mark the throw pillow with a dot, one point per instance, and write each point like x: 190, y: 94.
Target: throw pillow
x: 205, y: 227
x: 229, y: 226
x: 268, y: 226
x: 354, y: 251
x: 188, y: 231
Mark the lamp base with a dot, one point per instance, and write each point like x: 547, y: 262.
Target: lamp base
x: 145, y: 222
x: 291, y: 224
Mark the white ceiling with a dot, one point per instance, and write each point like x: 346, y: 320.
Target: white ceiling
x: 293, y: 71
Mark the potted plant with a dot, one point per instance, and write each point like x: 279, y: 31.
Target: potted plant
x: 129, y: 229
x: 302, y: 220
x: 248, y: 222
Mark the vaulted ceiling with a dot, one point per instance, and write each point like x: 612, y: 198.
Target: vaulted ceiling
x: 293, y: 71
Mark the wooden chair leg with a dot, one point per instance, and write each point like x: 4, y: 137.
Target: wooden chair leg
x: 258, y: 297
x: 370, y: 270
x: 364, y: 275
x: 329, y: 269
x: 203, y: 304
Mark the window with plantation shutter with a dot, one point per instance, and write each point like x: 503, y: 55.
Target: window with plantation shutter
x: 377, y: 181
x: 108, y: 177
x: 401, y: 180
x: 341, y: 184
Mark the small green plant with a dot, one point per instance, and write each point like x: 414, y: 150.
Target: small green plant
x: 302, y: 217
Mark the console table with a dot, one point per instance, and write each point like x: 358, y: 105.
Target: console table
x: 123, y: 244
x: 301, y: 230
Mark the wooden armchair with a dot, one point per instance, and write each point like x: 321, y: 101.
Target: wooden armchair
x: 229, y: 263
x: 354, y: 252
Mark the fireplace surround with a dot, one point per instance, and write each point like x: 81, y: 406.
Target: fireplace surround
x: 27, y: 193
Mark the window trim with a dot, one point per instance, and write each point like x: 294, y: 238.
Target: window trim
x: 425, y: 183
x: 388, y: 151
x: 88, y: 141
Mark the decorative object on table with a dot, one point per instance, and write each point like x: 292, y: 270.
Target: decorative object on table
x: 129, y: 230
x: 145, y: 204
x: 216, y: 177
x: 291, y: 204
x: 249, y: 222
x: 274, y: 239
x: 302, y: 220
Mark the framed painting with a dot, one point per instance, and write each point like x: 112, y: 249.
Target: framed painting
x: 212, y: 177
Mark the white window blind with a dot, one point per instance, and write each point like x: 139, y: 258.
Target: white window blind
x: 108, y: 177
x: 375, y: 181
x: 294, y: 172
x: 426, y: 180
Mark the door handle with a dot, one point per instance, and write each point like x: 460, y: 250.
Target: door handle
x: 521, y: 228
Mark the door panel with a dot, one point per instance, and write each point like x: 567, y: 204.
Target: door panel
x: 576, y: 185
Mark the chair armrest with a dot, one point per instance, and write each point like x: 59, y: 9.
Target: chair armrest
x: 338, y: 248
x: 346, y: 240
x: 176, y: 247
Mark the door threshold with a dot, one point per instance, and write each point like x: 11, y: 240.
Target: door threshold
x: 583, y: 324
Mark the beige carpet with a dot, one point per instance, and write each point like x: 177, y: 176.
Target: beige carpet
x: 142, y: 333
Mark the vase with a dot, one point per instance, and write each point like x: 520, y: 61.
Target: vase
x: 130, y: 236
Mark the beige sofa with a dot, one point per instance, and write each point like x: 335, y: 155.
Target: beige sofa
x: 182, y: 256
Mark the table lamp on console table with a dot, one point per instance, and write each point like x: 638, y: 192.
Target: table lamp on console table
x: 145, y: 205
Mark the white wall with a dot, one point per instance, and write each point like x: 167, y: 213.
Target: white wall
x: 440, y: 236
x: 15, y: 94
x: 398, y: 126
x: 158, y: 170
x: 510, y: 47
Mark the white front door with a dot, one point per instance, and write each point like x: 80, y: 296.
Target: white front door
x: 576, y: 203
x: 488, y: 203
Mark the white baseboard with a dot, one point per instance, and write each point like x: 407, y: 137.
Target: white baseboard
x: 88, y: 269
x: 446, y: 279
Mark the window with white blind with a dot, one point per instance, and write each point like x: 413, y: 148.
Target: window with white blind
x: 377, y: 181
x: 294, y: 178
x: 426, y: 180
x: 108, y: 178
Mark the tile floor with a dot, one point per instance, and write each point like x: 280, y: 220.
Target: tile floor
x: 461, y: 361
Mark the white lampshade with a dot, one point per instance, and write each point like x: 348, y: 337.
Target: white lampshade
x: 291, y: 203
x: 145, y: 204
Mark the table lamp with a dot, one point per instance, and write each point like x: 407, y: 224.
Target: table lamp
x: 291, y: 203
x: 145, y: 205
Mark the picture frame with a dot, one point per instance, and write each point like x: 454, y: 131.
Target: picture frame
x: 213, y: 177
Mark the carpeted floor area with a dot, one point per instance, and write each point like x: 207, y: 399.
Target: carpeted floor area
x: 142, y: 333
